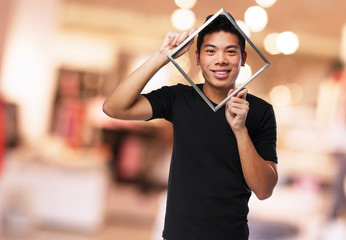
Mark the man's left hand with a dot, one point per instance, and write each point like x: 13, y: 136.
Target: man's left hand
x: 236, y: 110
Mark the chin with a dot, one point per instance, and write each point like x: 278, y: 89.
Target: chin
x: 222, y: 84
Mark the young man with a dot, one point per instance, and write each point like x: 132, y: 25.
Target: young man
x: 218, y: 158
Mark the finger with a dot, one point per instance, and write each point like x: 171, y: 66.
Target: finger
x: 182, y: 38
x: 230, y: 92
x: 190, y: 33
x: 238, y: 103
x: 175, y: 38
x: 166, y: 41
x: 188, y: 45
x: 241, y: 106
x: 238, y: 112
x: 228, y: 103
x: 242, y: 94
x: 184, y: 48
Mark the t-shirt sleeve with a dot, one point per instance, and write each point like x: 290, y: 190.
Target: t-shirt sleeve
x: 161, y: 101
x: 265, y: 137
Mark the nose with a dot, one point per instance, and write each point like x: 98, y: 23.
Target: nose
x: 221, y: 58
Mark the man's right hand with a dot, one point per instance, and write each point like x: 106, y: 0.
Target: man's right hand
x: 173, y: 40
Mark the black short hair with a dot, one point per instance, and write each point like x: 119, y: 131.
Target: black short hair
x: 220, y: 24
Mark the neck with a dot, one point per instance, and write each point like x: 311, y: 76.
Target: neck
x: 216, y: 95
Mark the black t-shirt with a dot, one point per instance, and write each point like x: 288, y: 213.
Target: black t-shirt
x: 207, y: 193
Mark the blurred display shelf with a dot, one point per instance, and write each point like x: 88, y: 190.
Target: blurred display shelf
x: 38, y: 191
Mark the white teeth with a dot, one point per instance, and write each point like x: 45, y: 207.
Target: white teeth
x: 223, y: 72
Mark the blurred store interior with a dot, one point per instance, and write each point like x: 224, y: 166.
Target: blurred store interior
x: 69, y: 172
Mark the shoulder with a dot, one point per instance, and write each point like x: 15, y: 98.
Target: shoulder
x: 163, y: 100
x: 182, y: 87
x: 257, y: 101
x: 258, y: 104
x: 260, y: 110
x: 175, y: 88
x: 181, y: 90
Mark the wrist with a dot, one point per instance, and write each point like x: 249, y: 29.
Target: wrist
x: 240, y: 132
x: 161, y: 58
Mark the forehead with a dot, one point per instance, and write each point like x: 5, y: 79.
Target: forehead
x: 220, y: 39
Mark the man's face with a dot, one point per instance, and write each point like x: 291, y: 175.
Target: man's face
x: 220, y: 59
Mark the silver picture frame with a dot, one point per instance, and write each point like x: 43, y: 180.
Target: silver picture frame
x: 174, y: 51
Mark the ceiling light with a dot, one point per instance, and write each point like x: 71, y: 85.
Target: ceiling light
x: 257, y: 18
x: 187, y: 4
x: 265, y: 3
x: 287, y: 42
x: 183, y: 19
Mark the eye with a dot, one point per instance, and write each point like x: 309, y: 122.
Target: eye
x: 232, y: 52
x: 209, y: 51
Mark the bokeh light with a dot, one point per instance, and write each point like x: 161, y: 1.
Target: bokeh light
x: 187, y: 4
x: 280, y: 95
x: 297, y: 93
x: 183, y: 19
x: 287, y: 42
x: 257, y: 18
x: 266, y: 3
x: 270, y: 43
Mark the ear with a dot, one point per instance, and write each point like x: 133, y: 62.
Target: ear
x: 197, y: 58
x: 243, y: 60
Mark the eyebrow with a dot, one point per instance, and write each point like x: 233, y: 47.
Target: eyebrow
x: 213, y: 46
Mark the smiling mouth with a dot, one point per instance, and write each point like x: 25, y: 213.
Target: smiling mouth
x: 221, y: 73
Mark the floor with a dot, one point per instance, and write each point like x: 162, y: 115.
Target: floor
x: 291, y: 214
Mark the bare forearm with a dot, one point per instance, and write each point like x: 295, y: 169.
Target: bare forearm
x: 260, y: 175
x: 125, y: 101
x: 127, y: 92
